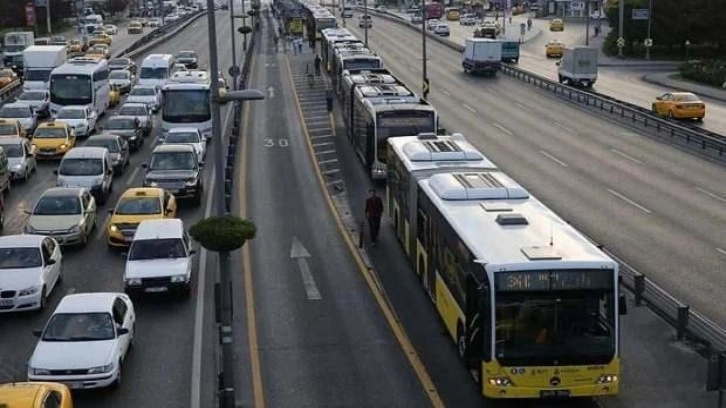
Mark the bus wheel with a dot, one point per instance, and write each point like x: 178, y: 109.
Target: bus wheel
x: 460, y: 341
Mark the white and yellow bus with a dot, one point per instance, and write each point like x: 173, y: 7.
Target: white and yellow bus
x: 452, y: 13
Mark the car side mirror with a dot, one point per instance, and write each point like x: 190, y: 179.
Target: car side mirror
x: 144, y: 165
x: 50, y: 262
x: 192, y: 251
x: 123, y: 330
x: 37, y: 332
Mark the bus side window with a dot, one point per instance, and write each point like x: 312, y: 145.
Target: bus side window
x: 422, y: 228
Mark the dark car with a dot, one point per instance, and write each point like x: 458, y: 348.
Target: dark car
x: 122, y: 63
x: 127, y: 127
x: 117, y: 147
x: 175, y: 168
x: 188, y: 58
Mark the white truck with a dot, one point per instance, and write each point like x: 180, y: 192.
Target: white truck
x: 15, y: 43
x: 578, y: 66
x: 38, y: 61
x: 482, y: 55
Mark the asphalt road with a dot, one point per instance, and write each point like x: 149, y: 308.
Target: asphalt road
x: 158, y: 371
x: 623, y: 82
x: 655, y: 206
x: 323, y: 340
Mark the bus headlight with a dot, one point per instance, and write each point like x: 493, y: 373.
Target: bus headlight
x: 500, y: 381
x: 607, y: 379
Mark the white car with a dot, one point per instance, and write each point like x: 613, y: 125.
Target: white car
x: 38, y: 99
x: 442, y: 29
x: 21, y: 157
x: 68, y: 214
x: 22, y: 112
x: 468, y: 20
x: 85, y: 341
x: 160, y: 258
x: 147, y: 94
x: 154, y: 22
x: 432, y: 23
x: 81, y: 118
x: 110, y: 29
x: 190, y: 136
x: 179, y: 68
x: 30, y: 268
x: 416, y: 19
x: 123, y: 79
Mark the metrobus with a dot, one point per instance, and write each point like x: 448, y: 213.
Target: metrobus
x: 452, y: 13
x: 80, y: 81
x: 353, y: 59
x: 187, y: 102
x: 320, y: 21
x: 531, y: 304
x: 330, y: 37
x: 354, y: 78
x: 383, y: 111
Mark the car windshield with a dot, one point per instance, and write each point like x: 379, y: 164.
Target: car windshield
x: 12, y: 150
x: 188, y: 137
x: 156, y: 248
x: 7, y: 129
x: 79, y: 327
x: 50, y: 133
x: 55, y: 205
x: 173, y: 161
x: 81, y: 167
x: 120, y: 123
x: 109, y: 144
x: 132, y: 111
x: 153, y: 73
x: 119, y: 74
x: 143, y: 92
x: 686, y: 98
x: 8, y: 112
x: 139, y: 205
x: 71, y: 114
x: 32, y: 96
x: 16, y: 258
x: 186, y: 54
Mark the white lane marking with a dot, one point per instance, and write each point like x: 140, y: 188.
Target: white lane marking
x: 133, y: 176
x: 629, y: 201
x: 710, y: 194
x: 328, y: 161
x: 627, y: 156
x: 101, y: 228
x: 469, y: 108
x: 199, y: 311
x: 301, y: 255
x: 553, y: 158
x: 503, y: 129
x: 563, y: 127
x: 519, y: 105
x: 722, y: 251
x: 271, y: 92
x: 445, y: 92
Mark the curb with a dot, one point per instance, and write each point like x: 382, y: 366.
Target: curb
x: 678, y: 85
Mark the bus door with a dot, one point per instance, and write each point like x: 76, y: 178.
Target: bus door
x: 477, y: 314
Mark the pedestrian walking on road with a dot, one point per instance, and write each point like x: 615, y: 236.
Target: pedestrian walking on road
x: 276, y: 40
x: 374, y: 211
x: 292, y: 45
x: 299, y: 45
x: 317, y: 64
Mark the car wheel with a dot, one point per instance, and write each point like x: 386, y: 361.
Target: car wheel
x: 43, y: 300
x: 670, y: 114
x: 117, y: 382
x: 84, y: 240
x: 654, y: 109
x: 26, y: 175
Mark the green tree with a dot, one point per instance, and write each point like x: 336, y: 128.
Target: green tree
x: 223, y: 233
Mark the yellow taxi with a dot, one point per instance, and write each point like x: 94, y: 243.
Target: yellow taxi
x: 134, y: 206
x: 11, y: 128
x: 554, y: 49
x: 679, y: 105
x: 53, y: 139
x: 100, y: 39
x: 556, y: 24
x: 99, y: 50
x: 75, y: 47
x: 35, y: 395
x: 114, y: 96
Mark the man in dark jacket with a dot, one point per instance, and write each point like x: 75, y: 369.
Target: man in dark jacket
x: 317, y: 64
x: 374, y: 211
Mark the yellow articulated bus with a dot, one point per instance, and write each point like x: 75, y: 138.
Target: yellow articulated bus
x: 532, y: 305
x: 452, y: 13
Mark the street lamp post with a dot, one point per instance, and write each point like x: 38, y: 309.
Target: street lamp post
x: 365, y: 26
x: 621, y: 18
x: 47, y: 17
x: 587, y: 23
x: 235, y: 71
x: 650, y: 18
x: 425, y: 78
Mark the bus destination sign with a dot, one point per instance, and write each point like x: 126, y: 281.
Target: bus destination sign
x: 553, y: 280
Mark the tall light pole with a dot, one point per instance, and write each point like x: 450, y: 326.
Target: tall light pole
x: 365, y: 26
x: 342, y: 11
x: 650, y: 18
x: 47, y: 17
x: 587, y: 23
x: 234, y: 69
x: 621, y: 18
x: 425, y: 78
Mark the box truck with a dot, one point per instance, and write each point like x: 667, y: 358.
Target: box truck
x: 38, y: 61
x: 482, y: 55
x: 578, y: 66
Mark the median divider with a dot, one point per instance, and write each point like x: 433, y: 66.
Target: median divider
x: 689, y: 323
x: 157, y: 36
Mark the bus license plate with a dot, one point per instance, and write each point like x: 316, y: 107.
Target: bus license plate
x: 554, y: 393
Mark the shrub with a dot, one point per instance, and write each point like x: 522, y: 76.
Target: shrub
x: 711, y: 72
x: 223, y: 233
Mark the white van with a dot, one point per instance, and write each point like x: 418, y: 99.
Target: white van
x: 156, y: 69
x: 87, y: 167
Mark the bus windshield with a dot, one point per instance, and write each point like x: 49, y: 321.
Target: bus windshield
x: 71, y: 89
x: 555, y: 327
x: 186, y: 106
x: 402, y: 123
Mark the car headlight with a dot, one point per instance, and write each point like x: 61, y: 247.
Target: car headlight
x: 29, y: 229
x: 75, y: 228
x: 113, y: 228
x: 191, y: 182
x: 63, y: 146
x: 607, y: 378
x: 133, y: 137
x: 39, y: 371
x: 100, y: 369
x: 18, y: 167
x: 178, y: 278
x: 29, y: 291
x: 133, y: 282
x: 153, y: 184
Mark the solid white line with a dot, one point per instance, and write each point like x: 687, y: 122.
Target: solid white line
x: 331, y: 171
x: 325, y: 152
x: 322, y: 144
x: 311, y: 289
x: 627, y: 156
x: 553, y: 158
x: 101, y: 228
x: 133, y: 176
x: 629, y: 201
x: 564, y: 127
x: 328, y: 161
x: 722, y: 251
x: 445, y: 92
x: 320, y: 137
x: 710, y: 194
x: 469, y: 108
x: 503, y: 129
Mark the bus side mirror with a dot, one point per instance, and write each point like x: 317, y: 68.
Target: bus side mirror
x: 622, y: 305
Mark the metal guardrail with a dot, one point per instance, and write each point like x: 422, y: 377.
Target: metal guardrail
x: 691, y: 136
x: 689, y: 323
x: 9, y: 91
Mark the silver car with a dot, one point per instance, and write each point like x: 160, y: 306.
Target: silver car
x: 139, y: 111
x: 118, y: 149
x: 38, y: 99
x: 21, y: 157
x: 122, y: 79
x: 67, y: 214
x: 22, y: 112
x: 147, y: 94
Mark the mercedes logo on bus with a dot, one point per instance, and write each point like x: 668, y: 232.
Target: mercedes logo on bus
x: 555, y: 381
